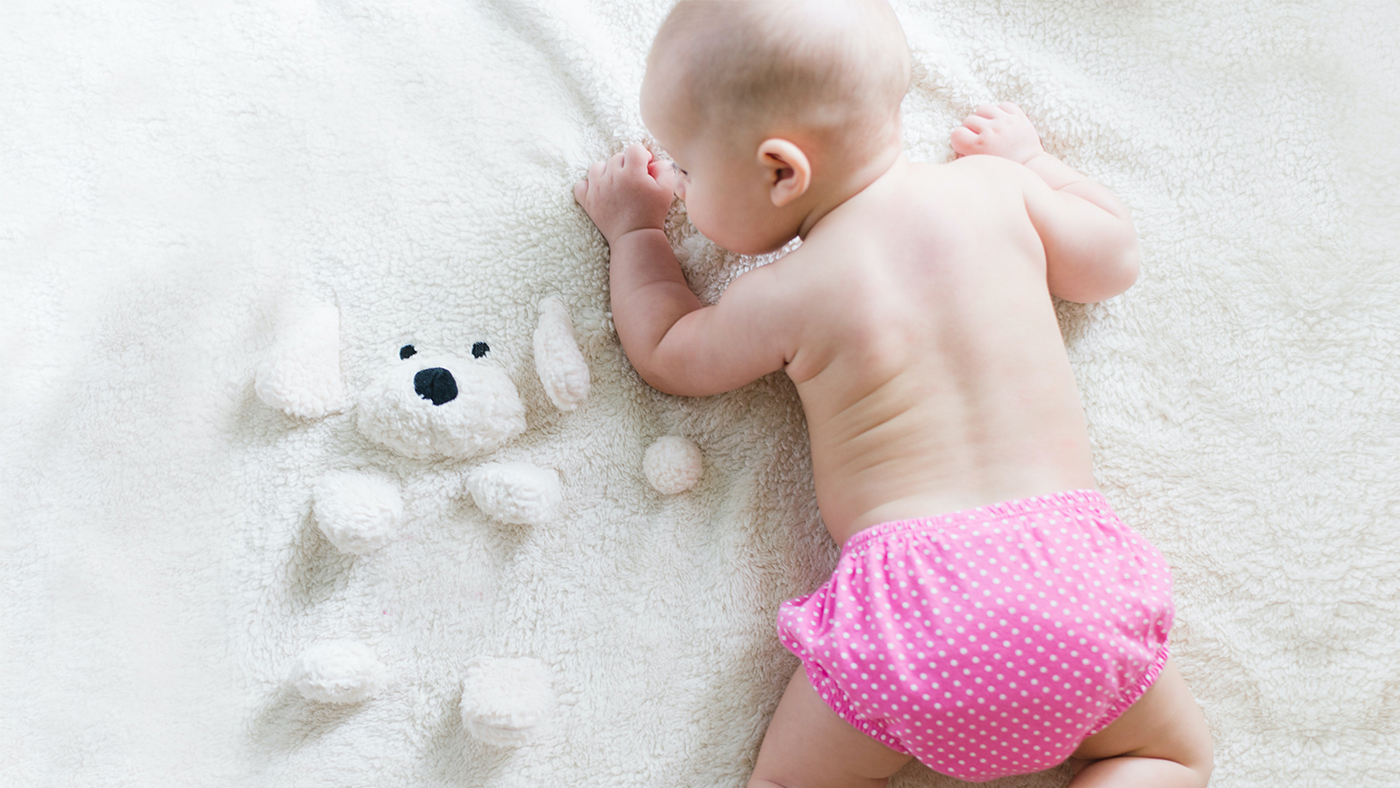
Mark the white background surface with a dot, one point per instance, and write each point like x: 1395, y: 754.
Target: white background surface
x: 178, y: 178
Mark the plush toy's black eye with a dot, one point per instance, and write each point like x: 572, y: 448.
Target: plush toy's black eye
x: 407, y: 351
x: 480, y: 349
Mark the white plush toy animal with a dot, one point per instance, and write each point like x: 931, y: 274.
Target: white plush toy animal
x: 428, y: 407
x: 431, y: 407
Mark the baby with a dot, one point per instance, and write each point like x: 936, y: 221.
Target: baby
x: 989, y: 614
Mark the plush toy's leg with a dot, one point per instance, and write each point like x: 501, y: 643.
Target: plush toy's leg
x: 506, y: 702
x: 358, y: 512
x: 516, y: 492
x: 337, y: 671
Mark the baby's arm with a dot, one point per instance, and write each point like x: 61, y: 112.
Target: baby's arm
x: 1091, y: 249
x: 674, y: 343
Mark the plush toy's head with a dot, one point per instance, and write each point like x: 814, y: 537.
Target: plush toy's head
x: 430, y: 406
x: 422, y: 404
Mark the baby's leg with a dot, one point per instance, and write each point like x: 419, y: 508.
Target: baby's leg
x: 1160, y: 742
x: 808, y: 746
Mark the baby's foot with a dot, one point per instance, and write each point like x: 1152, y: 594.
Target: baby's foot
x: 1001, y: 130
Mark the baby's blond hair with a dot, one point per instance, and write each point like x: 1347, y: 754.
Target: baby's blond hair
x: 838, y: 68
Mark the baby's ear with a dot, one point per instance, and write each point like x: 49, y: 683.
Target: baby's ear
x: 789, y: 171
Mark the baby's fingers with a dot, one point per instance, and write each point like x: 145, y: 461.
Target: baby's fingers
x: 664, y: 173
x: 964, y: 141
x: 977, y: 123
x: 636, y: 156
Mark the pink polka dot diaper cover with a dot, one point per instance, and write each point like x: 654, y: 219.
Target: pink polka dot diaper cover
x: 990, y: 641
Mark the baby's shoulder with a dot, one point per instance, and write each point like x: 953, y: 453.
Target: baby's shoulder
x: 973, y: 191
x: 972, y: 173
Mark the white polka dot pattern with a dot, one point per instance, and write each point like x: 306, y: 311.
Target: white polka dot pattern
x: 991, y: 641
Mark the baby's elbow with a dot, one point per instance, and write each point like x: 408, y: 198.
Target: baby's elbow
x: 666, y: 385
x: 1117, y: 271
x: 667, y: 378
x: 1125, y: 273
x: 1113, y: 279
x: 1118, y: 265
x: 1106, y: 275
x: 652, y: 375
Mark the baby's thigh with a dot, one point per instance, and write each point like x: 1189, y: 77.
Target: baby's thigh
x: 808, y: 746
x: 1164, y: 723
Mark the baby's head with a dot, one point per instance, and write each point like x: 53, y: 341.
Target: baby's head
x: 772, y: 107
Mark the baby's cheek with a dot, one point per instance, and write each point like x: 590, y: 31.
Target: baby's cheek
x: 697, y: 205
x: 697, y: 211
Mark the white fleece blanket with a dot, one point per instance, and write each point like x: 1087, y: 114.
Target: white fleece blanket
x: 181, y: 179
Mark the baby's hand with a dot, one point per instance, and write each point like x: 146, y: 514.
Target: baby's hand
x: 1002, y: 130
x: 630, y: 191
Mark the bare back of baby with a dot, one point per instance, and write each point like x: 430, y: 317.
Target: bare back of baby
x: 927, y: 352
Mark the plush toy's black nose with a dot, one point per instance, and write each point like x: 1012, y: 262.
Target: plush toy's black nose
x: 436, y: 384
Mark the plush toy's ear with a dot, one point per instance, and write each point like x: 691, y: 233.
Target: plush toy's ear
x: 301, y: 374
x: 558, y: 362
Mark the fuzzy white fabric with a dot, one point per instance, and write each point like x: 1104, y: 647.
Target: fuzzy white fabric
x: 183, y: 181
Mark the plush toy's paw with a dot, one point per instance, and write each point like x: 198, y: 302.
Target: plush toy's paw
x: 515, y: 492
x: 672, y: 465
x: 506, y: 701
x: 300, y: 376
x: 358, y: 512
x: 558, y: 362
x: 337, y: 671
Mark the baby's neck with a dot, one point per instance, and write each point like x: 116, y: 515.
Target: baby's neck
x: 855, y: 181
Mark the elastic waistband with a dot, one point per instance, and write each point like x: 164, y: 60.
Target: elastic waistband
x: 1070, y: 499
